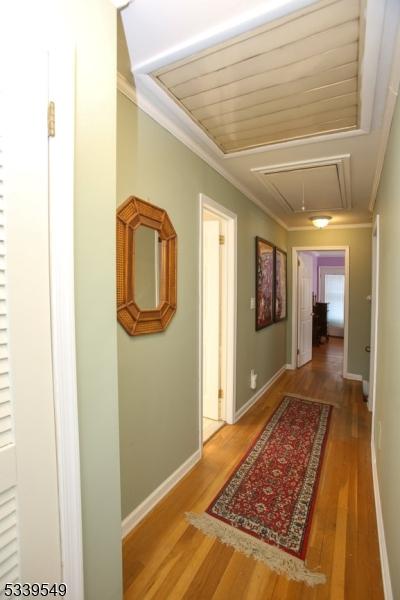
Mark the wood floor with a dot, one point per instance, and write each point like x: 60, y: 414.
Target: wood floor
x: 165, y: 558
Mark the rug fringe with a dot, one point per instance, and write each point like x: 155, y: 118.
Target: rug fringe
x: 330, y: 402
x: 276, y: 559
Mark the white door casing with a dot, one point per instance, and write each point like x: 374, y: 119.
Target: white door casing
x: 26, y: 204
x: 295, y: 251
x: 211, y: 319
x: 374, y: 320
x: 305, y: 308
x: 228, y: 369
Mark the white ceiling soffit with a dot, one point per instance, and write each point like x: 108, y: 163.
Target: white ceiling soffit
x: 181, y: 52
x: 291, y: 78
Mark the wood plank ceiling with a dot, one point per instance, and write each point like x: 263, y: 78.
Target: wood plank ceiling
x: 293, y: 78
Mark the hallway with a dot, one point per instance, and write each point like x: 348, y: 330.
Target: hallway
x: 164, y: 557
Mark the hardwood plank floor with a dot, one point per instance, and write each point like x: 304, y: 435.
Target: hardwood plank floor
x: 166, y: 558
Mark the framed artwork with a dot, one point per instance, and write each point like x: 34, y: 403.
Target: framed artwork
x: 280, y: 288
x: 264, y: 283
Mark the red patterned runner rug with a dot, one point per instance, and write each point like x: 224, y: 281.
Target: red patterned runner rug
x: 265, y: 508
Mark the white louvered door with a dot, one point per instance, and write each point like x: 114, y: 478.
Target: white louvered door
x: 9, y: 559
x: 29, y: 510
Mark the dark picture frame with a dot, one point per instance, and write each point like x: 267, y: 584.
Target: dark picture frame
x: 265, y: 278
x: 280, y: 285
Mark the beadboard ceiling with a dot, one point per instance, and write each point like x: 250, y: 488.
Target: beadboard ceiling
x: 291, y: 78
x: 285, y: 98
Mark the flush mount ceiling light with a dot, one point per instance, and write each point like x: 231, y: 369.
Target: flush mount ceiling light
x: 320, y: 222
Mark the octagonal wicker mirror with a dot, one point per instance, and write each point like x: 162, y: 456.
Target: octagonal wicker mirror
x: 146, y: 267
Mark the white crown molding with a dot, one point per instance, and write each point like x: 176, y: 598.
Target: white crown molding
x: 391, y: 102
x: 342, y: 163
x: 143, y: 101
x: 344, y: 226
x: 327, y: 137
x: 158, y: 104
x: 373, y: 31
x: 146, y: 104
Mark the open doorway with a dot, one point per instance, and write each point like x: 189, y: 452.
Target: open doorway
x: 320, y: 306
x: 218, y: 316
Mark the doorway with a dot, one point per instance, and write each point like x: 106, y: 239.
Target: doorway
x: 217, y: 317
x: 320, y: 305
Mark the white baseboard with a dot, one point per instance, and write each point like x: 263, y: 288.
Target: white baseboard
x: 352, y: 376
x: 290, y: 367
x: 243, y: 409
x: 150, y: 502
x: 387, y: 584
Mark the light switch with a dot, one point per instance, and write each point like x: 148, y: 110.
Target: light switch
x: 252, y: 303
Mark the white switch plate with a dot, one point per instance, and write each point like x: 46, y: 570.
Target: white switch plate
x: 252, y: 303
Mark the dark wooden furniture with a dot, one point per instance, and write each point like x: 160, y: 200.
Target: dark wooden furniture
x: 320, y: 322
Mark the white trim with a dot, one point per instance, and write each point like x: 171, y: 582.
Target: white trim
x: 387, y: 584
x: 158, y: 104
x: 341, y: 162
x: 374, y: 318
x: 352, y: 376
x: 347, y: 226
x: 61, y: 209
x: 295, y: 251
x: 231, y: 322
x: 243, y: 409
x: 134, y: 518
x: 326, y: 137
x: 147, y: 103
x: 246, y: 22
x: 374, y: 20
x: 391, y: 101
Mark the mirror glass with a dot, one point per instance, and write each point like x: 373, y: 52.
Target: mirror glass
x: 147, y: 267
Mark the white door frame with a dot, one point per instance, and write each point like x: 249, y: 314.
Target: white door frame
x: 295, y: 251
x: 61, y: 211
x: 374, y: 321
x: 231, y: 286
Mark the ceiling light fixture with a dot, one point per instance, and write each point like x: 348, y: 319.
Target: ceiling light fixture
x: 320, y: 222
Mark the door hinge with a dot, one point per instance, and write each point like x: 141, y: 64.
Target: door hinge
x: 220, y: 393
x: 298, y: 351
x: 222, y: 240
x: 51, y: 119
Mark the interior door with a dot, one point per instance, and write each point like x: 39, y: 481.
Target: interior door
x: 211, y: 313
x: 29, y: 510
x: 305, y: 309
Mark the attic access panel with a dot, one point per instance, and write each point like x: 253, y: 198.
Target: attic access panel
x: 292, y: 78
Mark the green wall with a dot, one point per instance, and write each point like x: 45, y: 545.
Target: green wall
x: 359, y: 242
x: 387, y: 413
x: 158, y: 374
x: 93, y: 26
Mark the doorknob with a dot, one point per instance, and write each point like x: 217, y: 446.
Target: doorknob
x: 367, y: 348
